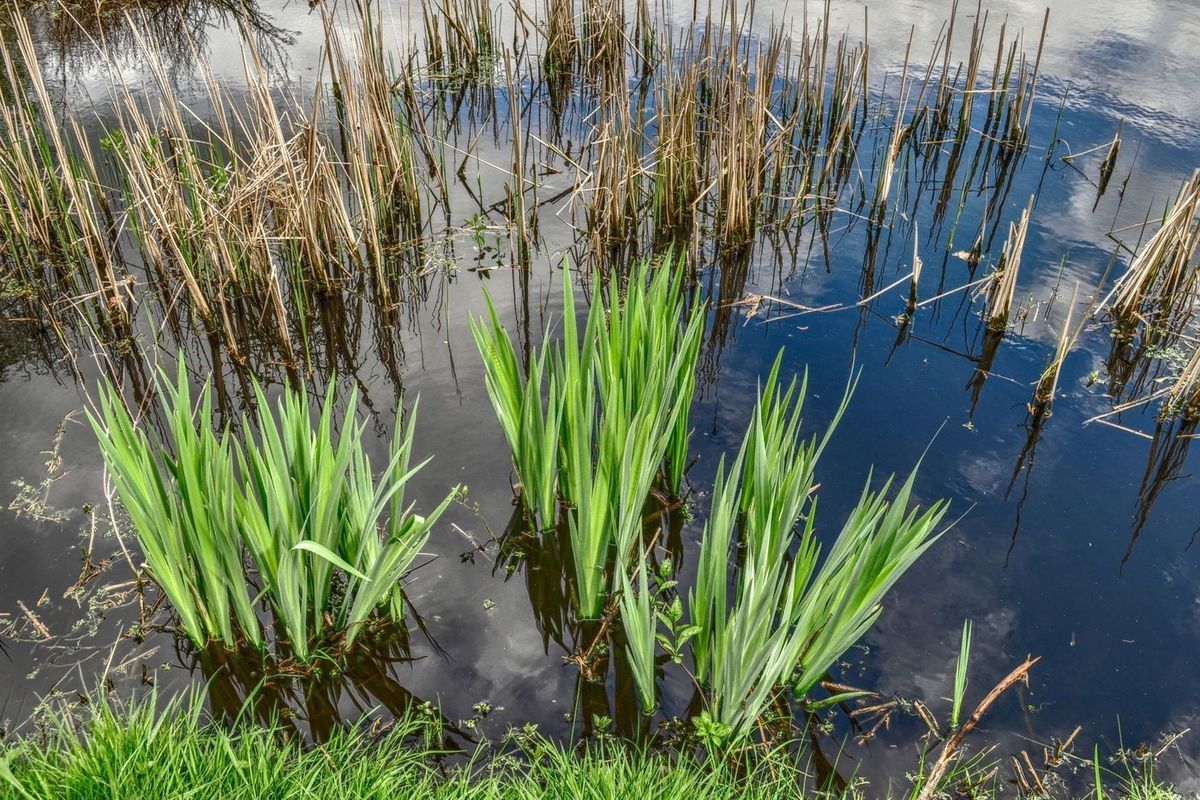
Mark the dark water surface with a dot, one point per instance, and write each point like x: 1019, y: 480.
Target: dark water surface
x: 1075, y: 542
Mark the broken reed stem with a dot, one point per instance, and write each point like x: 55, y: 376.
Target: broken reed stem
x: 1047, y: 383
x: 932, y: 782
x: 1004, y: 284
x: 1110, y: 161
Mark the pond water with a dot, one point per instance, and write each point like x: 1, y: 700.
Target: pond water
x: 1075, y: 540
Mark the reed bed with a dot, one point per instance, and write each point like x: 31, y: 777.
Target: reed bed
x: 591, y: 424
x: 603, y: 51
x: 275, y: 199
x: 329, y: 539
x: 740, y: 144
x: 614, y: 203
x: 460, y: 40
x: 57, y: 230
x: 561, y: 51
x: 677, y: 167
x: 266, y: 199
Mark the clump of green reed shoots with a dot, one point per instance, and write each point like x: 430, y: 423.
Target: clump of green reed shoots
x: 791, y: 615
x: 329, y: 541
x: 598, y: 416
x: 312, y: 506
x: 788, y: 620
x: 182, y: 502
x: 639, y: 617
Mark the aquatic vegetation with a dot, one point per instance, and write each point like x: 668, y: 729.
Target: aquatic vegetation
x: 1109, y: 164
x: 273, y: 198
x: 788, y: 619
x: 1047, y: 384
x: 615, y: 414
x: 677, y: 167
x: 304, y: 503
x: 952, y: 765
x: 640, y: 353
x: 741, y: 142
x: 531, y: 425
x: 280, y: 197
x: 614, y: 203
x: 182, y: 500
x: 1153, y: 306
x: 254, y: 213
x: 53, y: 226
x: 1183, y: 396
x: 639, y: 617
x: 562, y: 42
x: 310, y: 514
x: 1003, y: 285
x: 1160, y: 286
x: 460, y: 40
x: 960, y: 674
x: 376, y: 133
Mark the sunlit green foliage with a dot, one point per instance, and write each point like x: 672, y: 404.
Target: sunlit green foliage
x: 310, y: 517
x: 788, y: 619
x: 303, y: 502
x: 173, y: 754
x: 144, y: 750
x: 600, y: 414
x: 181, y: 501
x: 639, y: 617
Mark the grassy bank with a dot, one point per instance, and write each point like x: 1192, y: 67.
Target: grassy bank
x: 137, y: 752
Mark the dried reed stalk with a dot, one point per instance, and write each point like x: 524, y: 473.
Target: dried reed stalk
x: 1004, y: 282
